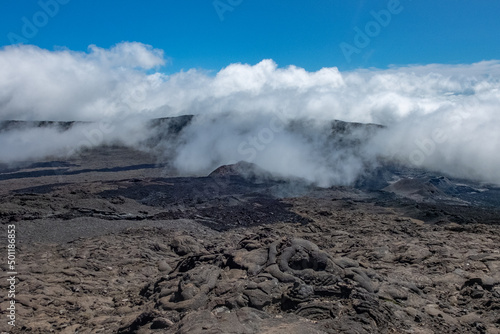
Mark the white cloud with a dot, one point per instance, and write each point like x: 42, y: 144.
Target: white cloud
x: 416, y: 103
x: 128, y: 55
x: 67, y: 85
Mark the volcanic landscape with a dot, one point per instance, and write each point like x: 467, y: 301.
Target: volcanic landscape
x: 115, y: 240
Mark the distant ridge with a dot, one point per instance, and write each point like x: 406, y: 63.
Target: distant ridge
x: 18, y: 125
x: 174, y: 124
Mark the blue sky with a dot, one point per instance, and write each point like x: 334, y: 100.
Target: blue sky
x: 306, y: 34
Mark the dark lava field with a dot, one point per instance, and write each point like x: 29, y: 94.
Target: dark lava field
x: 112, y: 241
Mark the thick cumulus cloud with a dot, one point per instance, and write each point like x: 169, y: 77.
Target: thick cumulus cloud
x: 37, y: 84
x: 440, y: 117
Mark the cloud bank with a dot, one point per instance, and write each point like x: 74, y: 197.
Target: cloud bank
x: 441, y: 117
